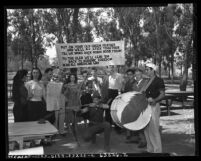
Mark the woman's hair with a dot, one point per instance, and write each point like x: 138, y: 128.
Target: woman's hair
x: 48, y: 69
x: 68, y: 80
x: 130, y: 70
x: 17, y: 82
x: 40, y: 74
x: 84, y: 71
x: 93, y: 68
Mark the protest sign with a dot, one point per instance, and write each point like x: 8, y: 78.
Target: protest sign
x: 74, y: 55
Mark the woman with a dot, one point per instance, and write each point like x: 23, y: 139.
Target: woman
x: 86, y: 92
x: 20, y: 95
x: 72, y: 92
x: 85, y: 89
x: 36, y: 96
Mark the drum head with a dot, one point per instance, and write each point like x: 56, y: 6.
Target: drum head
x: 131, y: 111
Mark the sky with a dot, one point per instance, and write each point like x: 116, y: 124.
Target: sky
x: 51, y: 52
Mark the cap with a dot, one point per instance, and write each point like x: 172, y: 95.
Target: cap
x: 151, y: 65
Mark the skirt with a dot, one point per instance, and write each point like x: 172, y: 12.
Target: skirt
x: 20, y: 112
x: 35, y: 110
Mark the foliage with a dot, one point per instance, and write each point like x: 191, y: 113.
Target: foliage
x: 148, y: 32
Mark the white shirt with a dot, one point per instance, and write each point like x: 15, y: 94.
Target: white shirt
x: 115, y: 81
x: 35, y: 88
x: 138, y: 82
x: 95, y: 85
x: 54, y: 98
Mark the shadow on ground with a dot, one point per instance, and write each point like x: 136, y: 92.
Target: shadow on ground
x: 180, y: 144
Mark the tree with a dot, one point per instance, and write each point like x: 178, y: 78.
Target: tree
x: 27, y: 32
x: 184, y: 33
x: 129, y: 20
x: 43, y: 62
x: 159, y: 23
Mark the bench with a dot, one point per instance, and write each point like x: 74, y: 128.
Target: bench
x: 176, y: 95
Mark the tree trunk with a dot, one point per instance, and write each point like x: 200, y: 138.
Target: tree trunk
x: 184, y: 80
x: 157, y: 42
x: 169, y: 70
x: 75, y: 24
x: 172, y: 66
x: 22, y: 62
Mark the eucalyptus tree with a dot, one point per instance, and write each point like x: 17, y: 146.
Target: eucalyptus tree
x: 129, y: 21
x: 185, y: 36
x: 27, y: 33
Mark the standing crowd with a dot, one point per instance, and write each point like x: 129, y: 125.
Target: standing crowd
x: 64, y: 102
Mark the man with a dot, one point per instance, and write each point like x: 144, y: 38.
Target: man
x: 154, y: 93
x: 139, y: 83
x: 45, y: 80
x: 47, y: 76
x: 115, y: 84
x: 95, y: 81
x: 128, y: 86
x: 97, y: 124
x: 59, y: 102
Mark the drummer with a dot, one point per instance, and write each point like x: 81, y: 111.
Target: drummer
x: 95, y: 111
x: 154, y: 94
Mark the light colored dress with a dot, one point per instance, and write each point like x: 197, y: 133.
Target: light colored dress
x: 54, y: 99
x: 72, y: 94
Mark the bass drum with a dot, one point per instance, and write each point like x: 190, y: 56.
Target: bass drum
x: 131, y: 111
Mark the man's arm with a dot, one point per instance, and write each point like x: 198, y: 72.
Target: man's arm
x: 157, y: 99
x: 160, y: 97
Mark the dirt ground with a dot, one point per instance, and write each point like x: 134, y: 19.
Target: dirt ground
x: 178, y: 137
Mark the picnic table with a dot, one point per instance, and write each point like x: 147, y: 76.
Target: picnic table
x: 176, y: 95
x: 23, y: 131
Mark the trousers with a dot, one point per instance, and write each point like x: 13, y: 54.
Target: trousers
x: 93, y: 129
x: 59, y: 120
x: 152, y: 133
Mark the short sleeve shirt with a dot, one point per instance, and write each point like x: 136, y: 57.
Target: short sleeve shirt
x: 156, y: 86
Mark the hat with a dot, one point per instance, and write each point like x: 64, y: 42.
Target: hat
x: 151, y: 65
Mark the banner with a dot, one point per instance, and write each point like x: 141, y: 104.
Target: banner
x: 74, y: 55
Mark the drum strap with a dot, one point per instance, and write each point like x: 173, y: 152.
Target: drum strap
x: 144, y: 88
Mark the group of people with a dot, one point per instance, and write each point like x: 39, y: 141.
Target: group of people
x: 67, y: 101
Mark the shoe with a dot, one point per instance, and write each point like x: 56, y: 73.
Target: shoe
x: 142, y: 145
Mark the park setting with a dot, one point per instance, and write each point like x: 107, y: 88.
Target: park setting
x: 78, y: 90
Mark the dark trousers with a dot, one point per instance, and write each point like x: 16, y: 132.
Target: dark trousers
x: 96, y: 128
x: 20, y: 112
x: 85, y: 99
x: 35, y: 110
x: 112, y: 93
